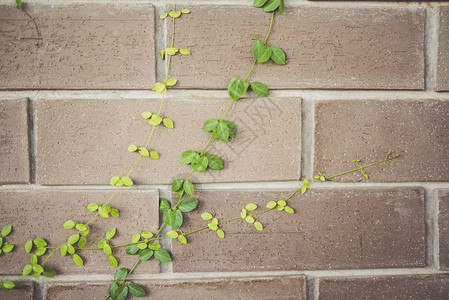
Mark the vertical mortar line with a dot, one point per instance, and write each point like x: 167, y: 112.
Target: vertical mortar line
x: 430, y: 47
x: 32, y: 135
x: 307, y: 136
x: 312, y: 291
x: 160, y: 38
x: 431, y: 222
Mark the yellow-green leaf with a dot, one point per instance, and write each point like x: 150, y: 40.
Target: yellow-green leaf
x: 154, y: 155
x: 168, y: 123
x: 258, y: 225
x: 184, y: 51
x: 171, y: 81
x: 220, y: 234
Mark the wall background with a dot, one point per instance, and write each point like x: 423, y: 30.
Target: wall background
x: 362, y: 77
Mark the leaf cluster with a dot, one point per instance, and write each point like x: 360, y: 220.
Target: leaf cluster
x: 173, y: 215
x: 120, y: 288
x: 5, y: 247
x: 270, y: 5
x: 214, y: 224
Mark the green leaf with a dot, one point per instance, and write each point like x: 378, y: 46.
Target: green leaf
x: 121, y: 293
x: 251, y: 206
x: 120, y: 274
x: 145, y: 254
x: 114, y: 180
x: 159, y: 87
x: 101, y: 244
x: 212, y: 226
x: 8, y: 285
x: 210, y: 124
x: 250, y: 219
x: 6, y: 230
x: 264, y: 54
x: 188, y: 156
x: 115, y: 213
x: 289, y: 210
x: 112, y: 288
x: 176, y: 185
x: 63, y: 250
x: 107, y: 249
x: 215, y: 162
x: 27, y: 270
x: 144, y: 151
x: 154, y: 155
x: 145, y: 115
x: 162, y: 256
x: 73, y: 238
x: 69, y: 224
x: 271, y: 5
x: 171, y: 50
x: 77, y: 259
x: 38, y: 269
x: 281, y: 7
x: 278, y: 55
x: 92, y: 207
x: 171, y: 81
x: 188, y: 188
x: 172, y: 234
x: 135, y: 238
x: 184, y: 51
x: 256, y: 49
x: 223, y: 131
x: 111, y: 233
x: 146, y: 234
x: 103, y: 212
x: 187, y: 204
x: 154, y: 246
x: 173, y: 218
x: 49, y: 273
x: 19, y: 4
x: 40, y: 242
x: 243, y: 213
x: 237, y: 88
x: 258, y: 225
x: 156, y: 119
x: 81, y: 227
x: 132, y: 148
x: 126, y: 181
x: 131, y: 249
x: 201, y: 164
x: 82, y: 242
x: 33, y: 260
x: 180, y: 193
x: 28, y: 246
x: 136, y: 290
x: 206, y: 216
x: 174, y: 14
x: 282, y: 203
x: 39, y: 251
x: 142, y: 245
x: 70, y: 249
x: 260, y: 89
x: 259, y: 3
x: 112, y: 261
x: 168, y: 123
x: 220, y: 233
x: 182, y: 239
x: 271, y: 204
x: 163, y: 16
x: 164, y: 204
x: 185, y: 10
x: 232, y: 129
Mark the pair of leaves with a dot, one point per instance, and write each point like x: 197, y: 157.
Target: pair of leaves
x: 237, y: 88
x: 175, y: 13
x: 222, y: 129
x: 120, y: 292
x: 121, y: 181
x: 113, y: 211
x: 270, y: 5
x: 201, y: 162
x: 173, y: 217
x: 262, y: 53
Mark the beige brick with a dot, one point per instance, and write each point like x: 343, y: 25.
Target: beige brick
x: 331, y: 229
x: 77, y: 46
x: 386, y: 287
x: 20, y: 292
x: 443, y: 223
x: 14, y: 143
x: 86, y: 141
x: 442, y: 82
x: 276, y: 288
x: 42, y: 213
x: 332, y: 48
x: 417, y: 130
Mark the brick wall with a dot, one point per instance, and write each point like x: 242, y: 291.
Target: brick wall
x: 361, y: 78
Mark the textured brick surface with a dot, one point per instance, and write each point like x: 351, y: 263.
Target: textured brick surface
x: 92, y: 46
x: 364, y: 48
x: 418, y: 130
x: 278, y: 288
x: 20, y: 292
x: 386, y: 287
x: 443, y: 223
x: 331, y: 229
x: 85, y: 142
x: 42, y: 213
x: 442, y: 82
x: 14, y: 147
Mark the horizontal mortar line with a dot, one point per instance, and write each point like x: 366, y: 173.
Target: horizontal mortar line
x: 199, y: 94
x: 95, y: 278
x: 288, y: 3
x: 264, y: 186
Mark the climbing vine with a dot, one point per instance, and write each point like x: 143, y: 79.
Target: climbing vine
x: 144, y: 244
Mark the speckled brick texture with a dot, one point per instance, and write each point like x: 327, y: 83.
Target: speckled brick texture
x: 43, y: 213
x: 443, y: 223
x: 416, y: 129
x: 14, y: 142
x: 77, y: 46
x: 69, y: 151
x: 331, y: 229
x: 442, y: 81
x: 284, y: 288
x: 20, y: 292
x: 432, y: 287
x: 334, y: 48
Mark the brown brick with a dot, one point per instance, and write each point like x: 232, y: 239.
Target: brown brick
x: 417, y: 130
x: 331, y: 229
x: 443, y: 223
x: 14, y: 146
x: 386, y: 287
x: 364, y: 48
x: 83, y: 46
x: 276, y: 288
x: 86, y: 141
x: 442, y: 82
x: 20, y: 292
x: 43, y: 213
